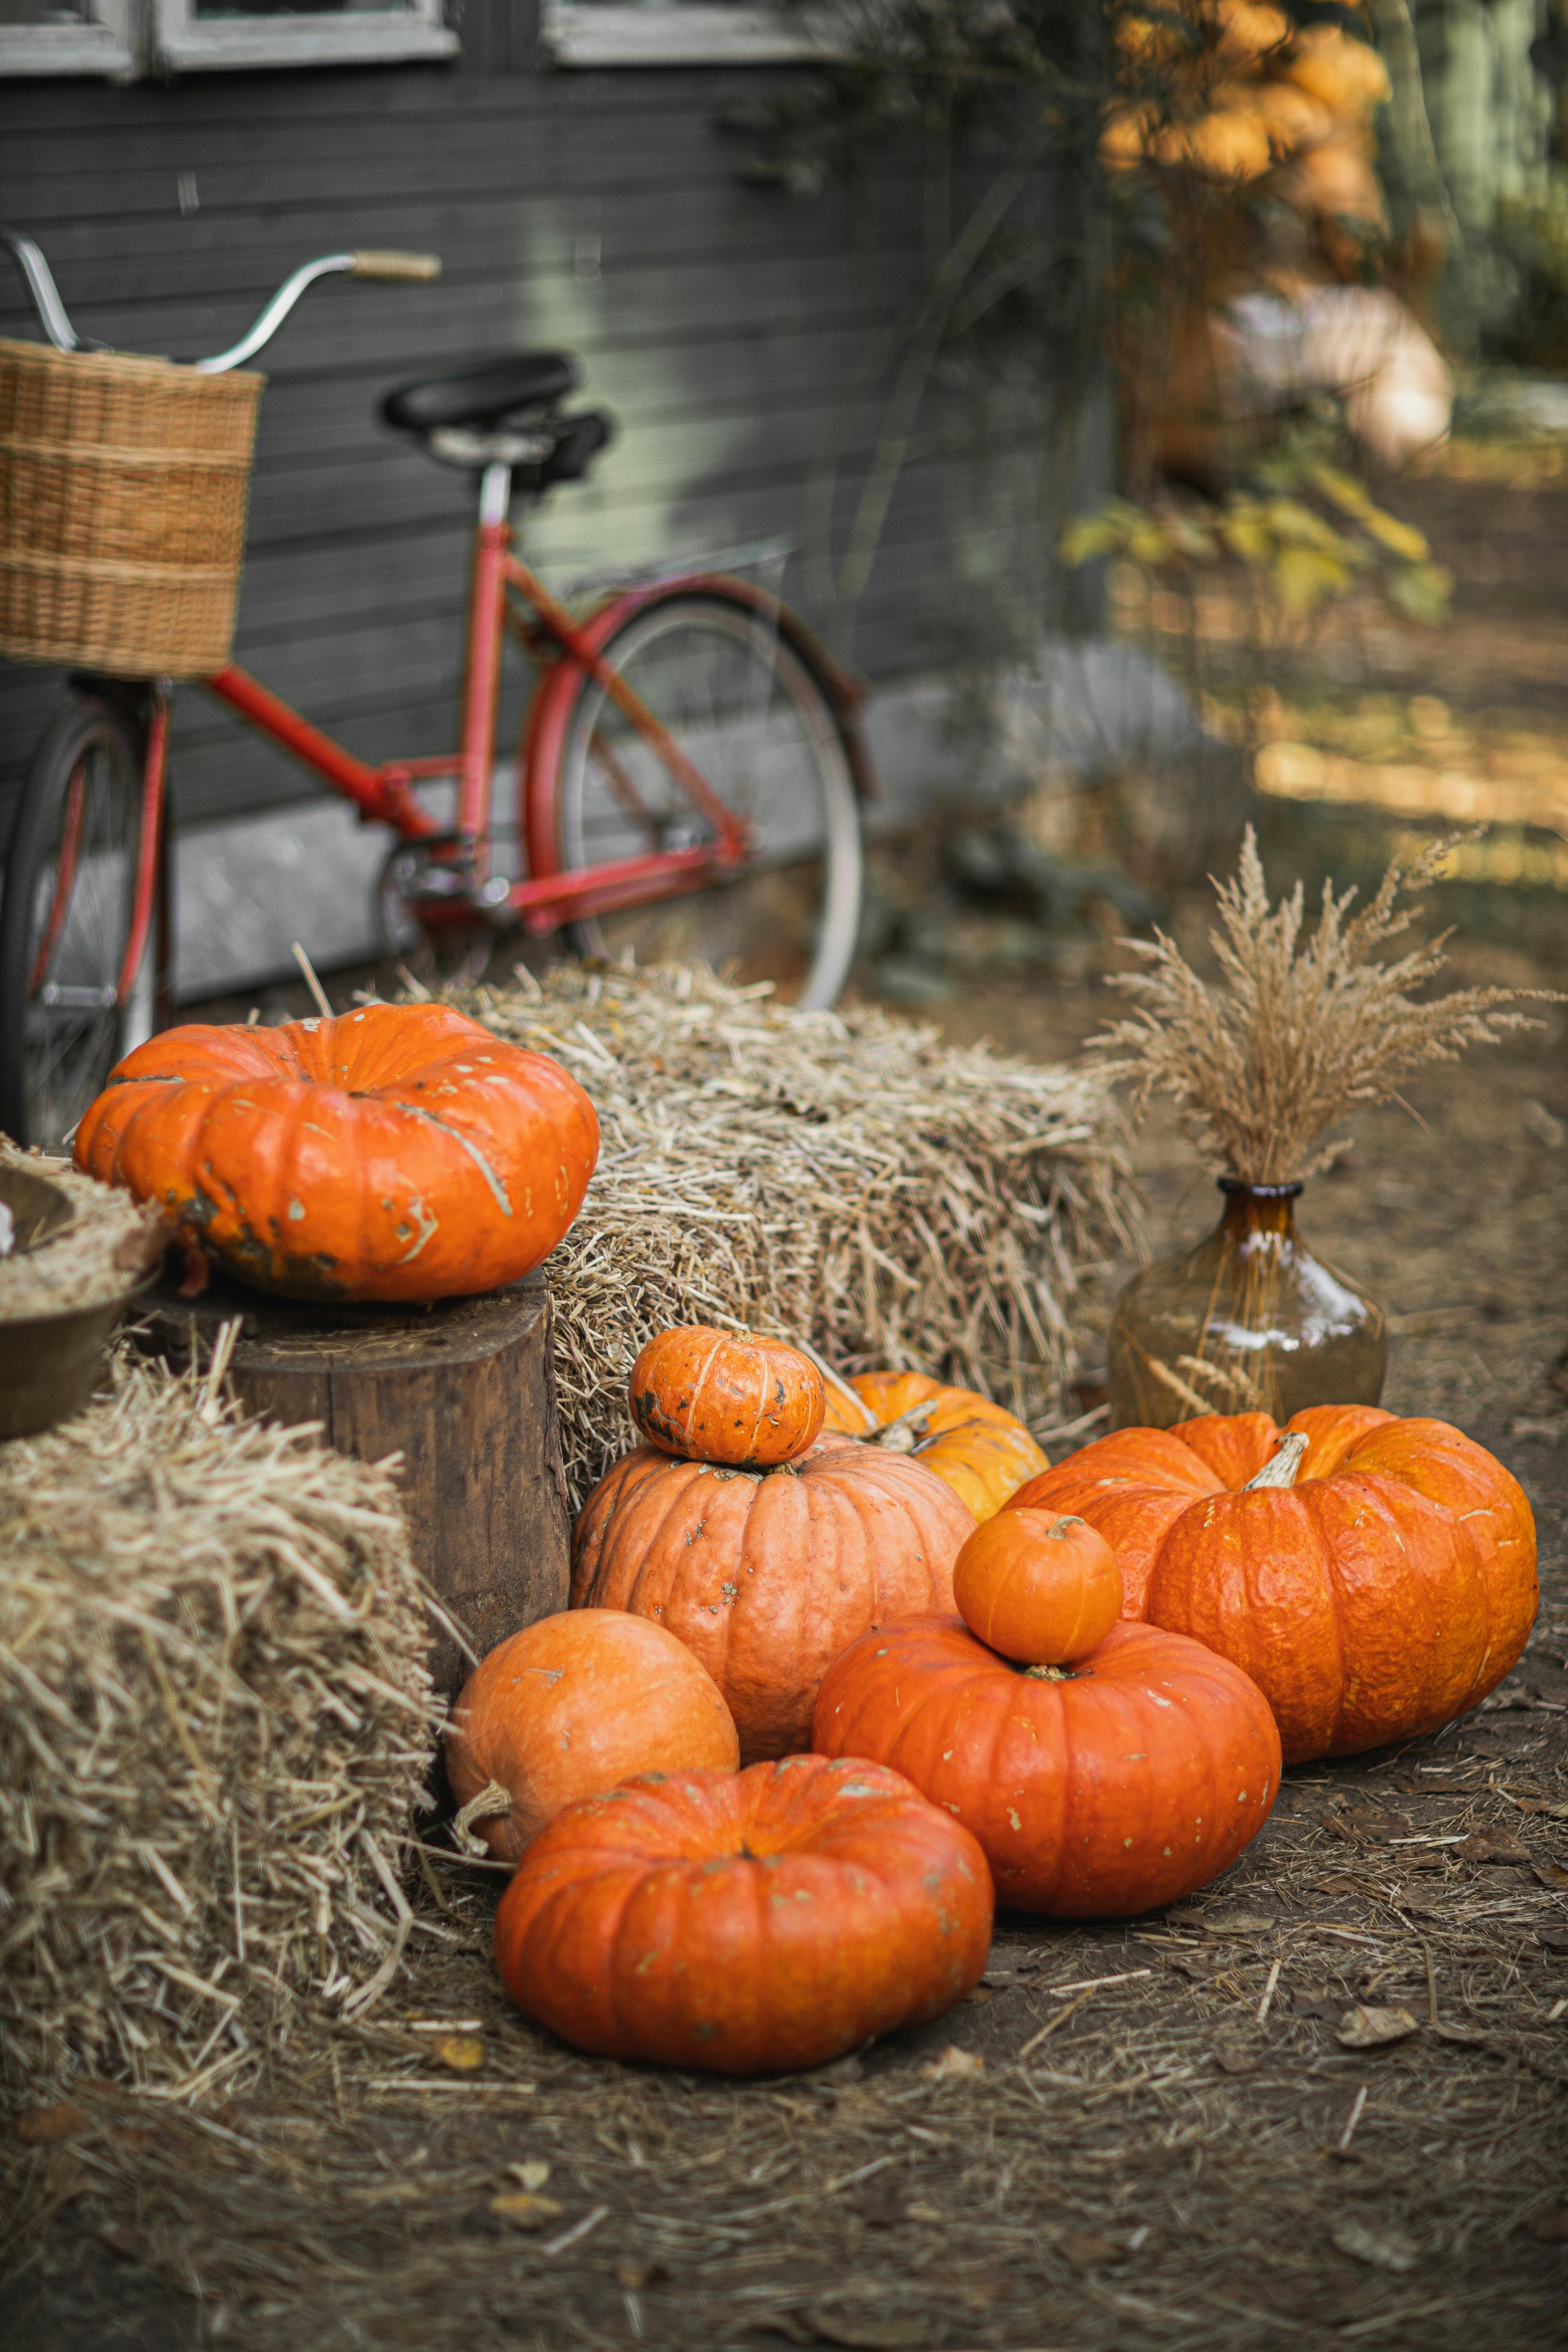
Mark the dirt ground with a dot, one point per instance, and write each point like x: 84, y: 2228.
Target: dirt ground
x: 1134, y: 2136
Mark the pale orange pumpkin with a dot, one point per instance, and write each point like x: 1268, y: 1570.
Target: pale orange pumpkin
x: 979, y: 1449
x: 726, y: 1396
x: 398, y: 1153
x: 573, y: 1705
x: 766, y: 1575
x: 1044, y: 1590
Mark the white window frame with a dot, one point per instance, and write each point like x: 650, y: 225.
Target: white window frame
x: 105, y: 47
x: 684, y: 33
x: 191, y: 44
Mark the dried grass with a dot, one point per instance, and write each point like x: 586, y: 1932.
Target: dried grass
x: 1305, y: 1028
x: 214, y: 1716
x: 841, y: 1177
x: 111, y: 1243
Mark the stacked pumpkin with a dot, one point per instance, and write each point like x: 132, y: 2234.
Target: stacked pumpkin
x: 668, y: 1904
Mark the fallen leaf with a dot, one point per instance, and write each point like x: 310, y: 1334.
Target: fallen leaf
x: 978, y: 1995
x: 953, y: 2063
x: 1317, y: 2000
x: 122, y: 2240
x: 1473, y: 2034
x: 1234, y: 2058
x: 1087, y: 2250
x: 1336, y: 1886
x: 41, y: 2127
x: 1551, y: 1874
x: 1362, y: 2028
x: 636, y: 2276
x: 519, y: 2211
x: 1385, y: 2249
x: 1554, y: 1939
x: 1238, y: 1923
x: 1482, y: 1848
x: 531, y: 2176
x: 1550, y: 2226
x: 461, y: 2053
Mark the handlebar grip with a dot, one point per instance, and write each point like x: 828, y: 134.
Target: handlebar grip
x: 408, y: 266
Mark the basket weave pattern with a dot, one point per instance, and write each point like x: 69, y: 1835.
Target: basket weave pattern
x: 124, y: 489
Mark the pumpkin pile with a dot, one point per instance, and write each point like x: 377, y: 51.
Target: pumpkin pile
x: 1229, y: 90
x: 1104, y: 1768
x: 765, y: 1573
x: 1374, y: 1576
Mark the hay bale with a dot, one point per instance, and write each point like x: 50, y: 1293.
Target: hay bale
x: 842, y: 1178
x: 215, y: 1716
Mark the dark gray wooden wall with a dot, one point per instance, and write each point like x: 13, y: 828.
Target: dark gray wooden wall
x: 598, y: 210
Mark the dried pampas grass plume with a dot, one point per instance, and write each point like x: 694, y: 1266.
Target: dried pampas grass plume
x: 1306, y: 1026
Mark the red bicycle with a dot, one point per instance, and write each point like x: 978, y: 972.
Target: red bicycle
x: 686, y: 735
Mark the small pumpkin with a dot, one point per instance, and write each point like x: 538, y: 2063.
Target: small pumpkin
x: 398, y: 1152
x: 1374, y: 1576
x: 574, y: 1704
x: 766, y: 1574
x: 726, y: 1396
x: 1042, y: 1589
x: 1129, y: 1780
x: 776, y: 1918
x: 981, y: 1450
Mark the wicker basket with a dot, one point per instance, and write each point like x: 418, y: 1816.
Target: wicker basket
x: 123, y: 485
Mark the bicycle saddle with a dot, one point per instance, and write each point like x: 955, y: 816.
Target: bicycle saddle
x: 480, y: 393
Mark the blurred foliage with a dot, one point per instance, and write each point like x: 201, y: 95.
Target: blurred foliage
x: 1306, y: 533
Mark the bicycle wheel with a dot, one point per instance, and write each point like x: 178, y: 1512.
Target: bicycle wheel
x: 750, y: 711
x: 65, y: 923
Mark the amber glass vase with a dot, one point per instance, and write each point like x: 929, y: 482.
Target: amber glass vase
x: 1248, y: 1321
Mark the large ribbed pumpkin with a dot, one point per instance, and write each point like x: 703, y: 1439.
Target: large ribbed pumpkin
x: 1385, y: 1589
x: 979, y: 1449
x: 574, y: 1704
x: 766, y: 1575
x: 1132, y: 1782
x: 770, y: 1918
x: 398, y: 1153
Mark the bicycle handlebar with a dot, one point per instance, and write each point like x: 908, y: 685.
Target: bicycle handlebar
x: 404, y: 267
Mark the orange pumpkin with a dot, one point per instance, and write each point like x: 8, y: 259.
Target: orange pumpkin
x: 572, y: 1705
x: 979, y: 1449
x: 1377, y: 1578
x: 1043, y: 1591
x: 766, y: 1575
x: 1128, y: 1782
x: 400, y: 1151
x: 776, y: 1918
x: 726, y: 1396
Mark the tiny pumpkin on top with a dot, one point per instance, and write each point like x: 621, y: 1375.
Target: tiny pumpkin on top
x: 731, y: 1397
x: 1045, y: 1590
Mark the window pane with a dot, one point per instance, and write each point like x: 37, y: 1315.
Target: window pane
x: 44, y: 12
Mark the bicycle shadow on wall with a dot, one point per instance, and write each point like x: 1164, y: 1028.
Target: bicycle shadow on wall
x: 687, y: 738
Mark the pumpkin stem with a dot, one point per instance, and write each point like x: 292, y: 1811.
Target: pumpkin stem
x: 903, y: 1435
x: 492, y: 1799
x: 1281, y: 1470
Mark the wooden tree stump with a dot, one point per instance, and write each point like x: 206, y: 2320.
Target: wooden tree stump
x: 464, y: 1390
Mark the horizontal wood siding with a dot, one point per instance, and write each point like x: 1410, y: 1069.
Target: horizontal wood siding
x: 598, y: 213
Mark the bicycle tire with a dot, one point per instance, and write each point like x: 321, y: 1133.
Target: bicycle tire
x: 53, y: 1059
x: 734, y: 682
